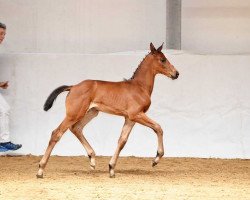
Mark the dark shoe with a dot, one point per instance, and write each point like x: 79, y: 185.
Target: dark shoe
x: 10, y: 146
x: 2, y: 149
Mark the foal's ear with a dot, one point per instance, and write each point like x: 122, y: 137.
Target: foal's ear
x: 152, y: 48
x: 160, y: 48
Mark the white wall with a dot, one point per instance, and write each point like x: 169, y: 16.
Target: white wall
x: 216, y: 27
x: 82, y: 26
x: 204, y: 113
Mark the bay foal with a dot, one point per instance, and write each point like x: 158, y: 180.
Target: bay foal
x: 129, y: 98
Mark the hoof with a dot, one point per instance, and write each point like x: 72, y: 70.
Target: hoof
x: 112, y: 176
x: 92, y: 163
x: 39, y: 175
x: 111, y: 171
x: 154, y: 164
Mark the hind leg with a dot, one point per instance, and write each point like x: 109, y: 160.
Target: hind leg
x: 76, y: 129
x: 55, y: 137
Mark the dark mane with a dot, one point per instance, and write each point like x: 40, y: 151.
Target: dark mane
x: 137, y: 69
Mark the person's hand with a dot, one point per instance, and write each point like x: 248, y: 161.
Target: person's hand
x: 4, y: 85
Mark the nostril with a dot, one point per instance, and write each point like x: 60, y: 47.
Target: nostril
x: 177, y: 74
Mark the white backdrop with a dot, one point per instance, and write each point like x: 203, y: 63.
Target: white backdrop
x: 204, y: 113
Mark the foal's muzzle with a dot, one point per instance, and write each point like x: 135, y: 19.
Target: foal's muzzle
x: 176, y: 75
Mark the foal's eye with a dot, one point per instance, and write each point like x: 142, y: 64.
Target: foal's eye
x: 163, y: 60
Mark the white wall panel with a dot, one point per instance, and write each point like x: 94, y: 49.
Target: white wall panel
x: 204, y: 113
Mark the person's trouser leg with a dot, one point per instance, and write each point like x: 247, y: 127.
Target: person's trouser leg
x: 4, y: 120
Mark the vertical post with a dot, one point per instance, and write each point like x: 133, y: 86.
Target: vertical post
x: 173, y: 26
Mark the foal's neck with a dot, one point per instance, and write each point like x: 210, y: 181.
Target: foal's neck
x: 145, y: 75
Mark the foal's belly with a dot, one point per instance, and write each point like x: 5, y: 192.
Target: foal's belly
x: 108, y: 109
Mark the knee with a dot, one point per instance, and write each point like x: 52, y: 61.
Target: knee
x: 158, y: 129
x: 55, y: 137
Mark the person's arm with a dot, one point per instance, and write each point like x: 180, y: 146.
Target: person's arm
x: 4, y: 85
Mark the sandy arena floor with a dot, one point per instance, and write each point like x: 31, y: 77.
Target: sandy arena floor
x: 173, y: 178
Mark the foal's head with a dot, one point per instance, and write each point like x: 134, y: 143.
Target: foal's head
x: 161, y: 64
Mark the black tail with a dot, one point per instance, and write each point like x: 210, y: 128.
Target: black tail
x: 50, y: 100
